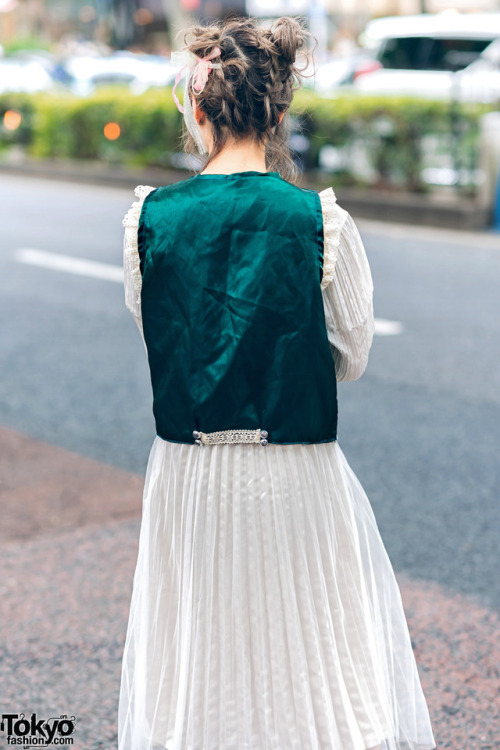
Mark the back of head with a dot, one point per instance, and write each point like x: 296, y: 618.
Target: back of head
x: 244, y: 97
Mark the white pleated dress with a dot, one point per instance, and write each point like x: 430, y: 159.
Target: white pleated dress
x: 265, y: 613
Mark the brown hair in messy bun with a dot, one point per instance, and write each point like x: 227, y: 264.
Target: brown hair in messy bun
x: 245, y: 97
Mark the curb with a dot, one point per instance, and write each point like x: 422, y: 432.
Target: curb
x: 95, y: 173
x: 382, y: 205
x: 405, y: 208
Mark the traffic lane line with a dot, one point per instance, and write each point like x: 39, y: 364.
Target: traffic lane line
x: 70, y: 264
x: 110, y: 272
x: 66, y: 589
x: 384, y: 327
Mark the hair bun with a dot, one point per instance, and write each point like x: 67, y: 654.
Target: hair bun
x: 288, y: 37
x: 250, y: 95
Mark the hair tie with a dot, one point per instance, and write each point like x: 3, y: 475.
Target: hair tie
x: 200, y: 67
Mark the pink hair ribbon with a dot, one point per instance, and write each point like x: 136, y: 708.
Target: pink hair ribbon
x: 200, y: 67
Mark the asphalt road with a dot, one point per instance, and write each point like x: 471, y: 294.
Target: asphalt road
x: 421, y: 428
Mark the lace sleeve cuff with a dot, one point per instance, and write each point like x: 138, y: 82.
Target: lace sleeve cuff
x: 131, y: 261
x: 331, y: 231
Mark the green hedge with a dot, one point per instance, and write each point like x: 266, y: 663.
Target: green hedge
x: 392, y: 129
x: 64, y: 126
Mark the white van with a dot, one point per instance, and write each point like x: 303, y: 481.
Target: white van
x: 422, y: 54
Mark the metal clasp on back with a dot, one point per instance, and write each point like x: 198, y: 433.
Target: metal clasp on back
x: 230, y: 436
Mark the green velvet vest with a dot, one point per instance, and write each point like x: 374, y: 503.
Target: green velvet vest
x: 232, y: 308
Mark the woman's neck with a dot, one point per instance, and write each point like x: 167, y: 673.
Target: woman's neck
x: 239, y: 156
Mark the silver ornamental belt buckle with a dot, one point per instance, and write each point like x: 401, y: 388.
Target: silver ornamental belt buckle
x: 230, y: 436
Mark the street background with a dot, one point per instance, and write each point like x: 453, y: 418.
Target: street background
x: 421, y: 428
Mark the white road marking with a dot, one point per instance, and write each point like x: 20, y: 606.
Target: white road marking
x: 385, y: 327
x: 110, y: 272
x: 68, y: 263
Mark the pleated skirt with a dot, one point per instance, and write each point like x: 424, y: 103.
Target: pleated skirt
x: 265, y: 614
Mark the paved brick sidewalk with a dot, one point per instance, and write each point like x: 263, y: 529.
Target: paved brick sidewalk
x: 69, y: 536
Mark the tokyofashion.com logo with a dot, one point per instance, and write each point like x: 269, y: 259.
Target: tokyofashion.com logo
x: 33, y: 732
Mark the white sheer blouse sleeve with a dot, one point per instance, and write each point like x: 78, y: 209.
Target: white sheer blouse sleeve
x: 131, y: 269
x: 347, y: 288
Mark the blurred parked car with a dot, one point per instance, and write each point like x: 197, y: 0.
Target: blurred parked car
x: 81, y: 74
x: 340, y: 70
x: 31, y: 71
x: 421, y: 54
x: 480, y: 81
x: 136, y: 71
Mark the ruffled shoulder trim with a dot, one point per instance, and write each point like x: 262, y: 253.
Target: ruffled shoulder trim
x: 131, y: 218
x: 331, y: 229
x: 131, y: 259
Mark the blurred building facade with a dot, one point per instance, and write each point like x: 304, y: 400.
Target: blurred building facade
x: 152, y: 24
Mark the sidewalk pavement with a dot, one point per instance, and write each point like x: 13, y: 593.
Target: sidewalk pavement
x: 69, y: 540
